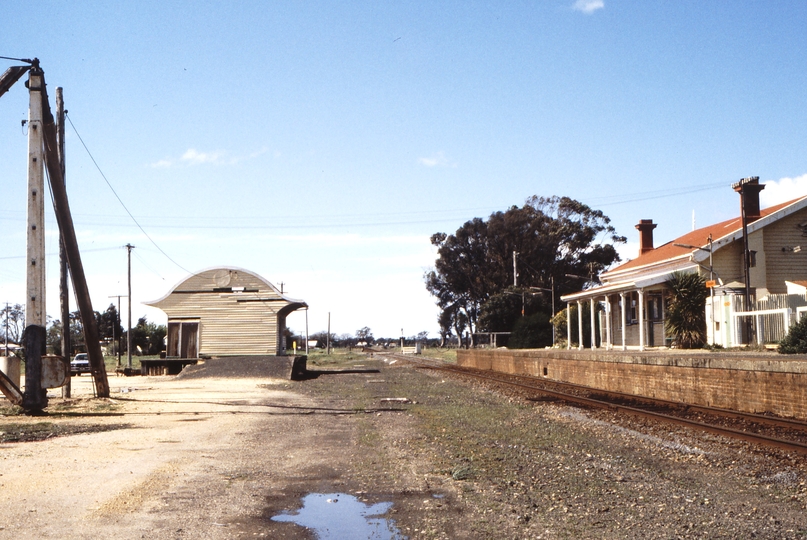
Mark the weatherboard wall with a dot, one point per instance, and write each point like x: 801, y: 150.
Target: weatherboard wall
x: 771, y: 384
x: 243, y: 321
x: 781, y: 261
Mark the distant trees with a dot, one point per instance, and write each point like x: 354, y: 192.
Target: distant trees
x: 364, y: 335
x: 552, y: 236
x: 13, y: 319
x: 147, y: 337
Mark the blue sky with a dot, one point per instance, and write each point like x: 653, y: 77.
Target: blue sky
x: 321, y: 144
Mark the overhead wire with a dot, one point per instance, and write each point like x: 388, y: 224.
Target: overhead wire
x: 120, y: 200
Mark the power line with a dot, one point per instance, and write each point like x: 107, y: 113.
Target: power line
x: 56, y: 254
x: 119, y: 199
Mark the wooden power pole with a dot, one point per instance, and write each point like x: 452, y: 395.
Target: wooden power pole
x: 61, y: 207
x: 129, y: 248
x: 64, y: 295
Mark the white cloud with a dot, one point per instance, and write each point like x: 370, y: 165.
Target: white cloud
x: 785, y: 189
x: 162, y: 164
x: 219, y: 157
x: 437, y: 159
x: 195, y: 158
x: 588, y: 6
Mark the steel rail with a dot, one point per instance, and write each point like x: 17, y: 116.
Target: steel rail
x: 710, y: 428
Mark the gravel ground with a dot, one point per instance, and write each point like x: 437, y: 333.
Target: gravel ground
x: 216, y: 457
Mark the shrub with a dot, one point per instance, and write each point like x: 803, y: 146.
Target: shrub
x: 531, y: 332
x: 686, y: 311
x: 795, y: 342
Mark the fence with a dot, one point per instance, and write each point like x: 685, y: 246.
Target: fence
x: 771, y: 320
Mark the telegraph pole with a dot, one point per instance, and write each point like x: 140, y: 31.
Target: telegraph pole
x: 35, y: 275
x: 64, y: 295
x: 7, y: 334
x: 306, y: 331
x: 116, y: 328
x: 328, y: 336
x: 129, y: 248
x: 35, y: 397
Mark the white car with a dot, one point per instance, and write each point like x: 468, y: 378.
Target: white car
x: 80, y: 364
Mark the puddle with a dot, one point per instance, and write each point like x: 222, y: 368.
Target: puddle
x: 338, y: 516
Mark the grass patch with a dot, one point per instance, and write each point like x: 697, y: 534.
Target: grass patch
x: 446, y: 355
x: 40, y: 431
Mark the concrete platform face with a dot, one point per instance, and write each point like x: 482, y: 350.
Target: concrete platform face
x: 763, y: 383
x: 275, y: 367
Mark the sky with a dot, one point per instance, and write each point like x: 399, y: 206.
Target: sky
x: 321, y: 144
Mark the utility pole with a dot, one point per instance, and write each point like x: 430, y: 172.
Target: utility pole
x: 306, y: 331
x: 35, y: 397
x: 61, y: 208
x: 328, y: 337
x: 64, y: 295
x: 129, y: 248
x: 7, y: 311
x: 35, y: 276
x: 116, y: 328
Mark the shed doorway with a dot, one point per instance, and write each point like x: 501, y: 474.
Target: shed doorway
x: 183, y: 339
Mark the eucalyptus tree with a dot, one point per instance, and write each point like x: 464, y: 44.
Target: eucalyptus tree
x: 552, y: 237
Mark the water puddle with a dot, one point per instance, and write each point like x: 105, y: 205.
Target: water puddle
x: 338, y: 516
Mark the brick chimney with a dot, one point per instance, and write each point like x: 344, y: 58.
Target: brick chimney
x: 749, y: 189
x: 645, y: 228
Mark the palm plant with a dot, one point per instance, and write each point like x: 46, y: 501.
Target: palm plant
x: 686, y: 310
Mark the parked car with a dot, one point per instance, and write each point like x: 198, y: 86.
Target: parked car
x: 80, y: 364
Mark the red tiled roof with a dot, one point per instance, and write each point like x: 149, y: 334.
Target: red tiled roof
x: 698, y: 237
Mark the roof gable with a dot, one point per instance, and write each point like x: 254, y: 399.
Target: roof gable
x: 669, y: 253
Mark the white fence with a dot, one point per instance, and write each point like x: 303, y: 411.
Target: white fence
x: 768, y: 323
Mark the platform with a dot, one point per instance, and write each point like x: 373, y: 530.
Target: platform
x: 745, y: 381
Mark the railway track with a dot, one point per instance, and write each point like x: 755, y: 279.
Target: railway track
x: 782, y: 433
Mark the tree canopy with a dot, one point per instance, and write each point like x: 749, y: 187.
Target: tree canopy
x: 552, y: 236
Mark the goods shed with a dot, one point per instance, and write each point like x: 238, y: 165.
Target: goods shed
x: 225, y: 311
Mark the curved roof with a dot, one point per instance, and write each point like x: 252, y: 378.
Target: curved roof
x: 221, y: 277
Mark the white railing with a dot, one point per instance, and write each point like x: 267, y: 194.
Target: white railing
x: 760, y: 329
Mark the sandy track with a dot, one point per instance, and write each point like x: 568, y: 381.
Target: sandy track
x: 190, y: 460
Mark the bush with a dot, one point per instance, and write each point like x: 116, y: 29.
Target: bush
x: 531, y: 332
x: 795, y: 342
x: 686, y: 310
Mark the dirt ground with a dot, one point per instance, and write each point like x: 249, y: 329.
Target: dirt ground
x: 216, y: 457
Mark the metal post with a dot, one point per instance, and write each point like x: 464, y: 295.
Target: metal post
x: 328, y: 336
x: 129, y: 333
x: 515, y: 270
